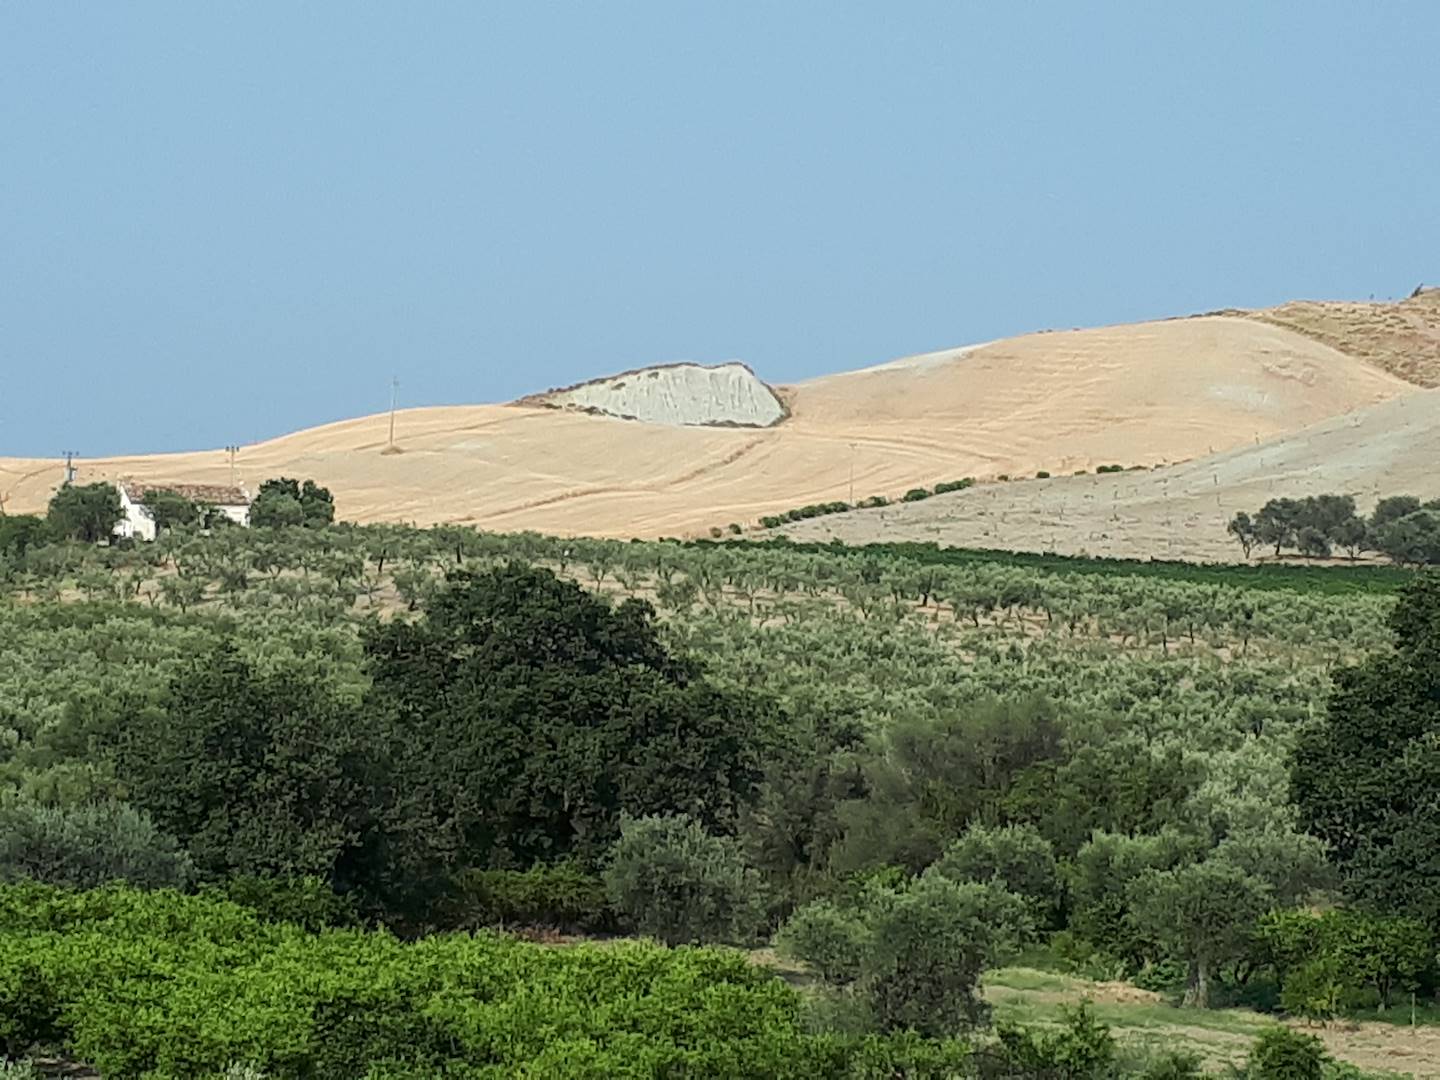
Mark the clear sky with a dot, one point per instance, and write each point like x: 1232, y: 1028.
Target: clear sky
x: 224, y: 221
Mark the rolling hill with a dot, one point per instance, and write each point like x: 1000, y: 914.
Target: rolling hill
x: 1178, y: 512
x: 1146, y: 394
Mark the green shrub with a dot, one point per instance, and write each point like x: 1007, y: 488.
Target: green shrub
x: 1015, y: 857
x: 1317, y: 990
x: 734, y: 528
x: 1082, y: 1049
x: 915, y: 495
x: 174, y: 987
x: 954, y: 485
x: 305, y: 901
x: 832, y: 939
x: 929, y: 945
x: 561, y: 896
x: 1174, y: 1065
x: 1282, y: 1054
x: 1042, y: 475
x: 670, y: 879
x: 87, y: 846
x: 771, y: 521
x: 18, y: 1070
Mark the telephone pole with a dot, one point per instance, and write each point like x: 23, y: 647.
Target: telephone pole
x: 852, y: 474
x: 232, y: 451
x: 70, y: 456
x: 394, y: 390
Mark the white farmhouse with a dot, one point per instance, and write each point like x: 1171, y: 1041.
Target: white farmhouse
x: 139, y: 522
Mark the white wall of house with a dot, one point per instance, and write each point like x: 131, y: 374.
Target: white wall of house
x: 138, y: 523
x: 240, y: 515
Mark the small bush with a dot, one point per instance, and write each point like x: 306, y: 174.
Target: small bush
x: 1042, y: 475
x: 1109, y: 468
x: 561, y: 896
x: 1015, y: 857
x: 954, y: 485
x: 716, y: 532
x: 86, y: 846
x: 734, y: 528
x: 1282, y: 1054
x: 18, y: 1070
x: 915, y: 495
x: 1174, y: 1065
x: 930, y: 944
x: 831, y: 939
x: 771, y: 521
x: 875, y: 501
x: 1083, y: 1049
x: 305, y: 901
x: 669, y: 878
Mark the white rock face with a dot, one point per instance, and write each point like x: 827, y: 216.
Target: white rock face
x: 682, y: 395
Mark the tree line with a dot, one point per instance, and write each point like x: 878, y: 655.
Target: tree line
x: 1401, y: 527
x: 89, y: 513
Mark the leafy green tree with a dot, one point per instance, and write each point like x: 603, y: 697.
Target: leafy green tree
x: 1413, y: 540
x: 268, y: 774
x: 1353, y: 535
x: 171, y: 509
x: 1101, y: 879
x: 524, y: 715
x: 87, y: 846
x: 1115, y: 781
x: 289, y: 502
x: 1313, y: 541
x: 1015, y: 857
x: 674, y: 881
x: 1363, y: 774
x: 20, y: 532
x: 930, y: 943
x: 1276, y: 523
x: 85, y: 512
x: 1349, y: 948
x: 1292, y: 865
x: 1393, y: 508
x: 1203, y: 912
x: 832, y: 938
x: 276, y: 511
x: 1243, y: 530
x: 926, y: 779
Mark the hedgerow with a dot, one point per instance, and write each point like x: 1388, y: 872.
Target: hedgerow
x: 166, y: 986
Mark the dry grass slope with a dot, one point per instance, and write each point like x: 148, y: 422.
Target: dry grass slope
x: 1147, y: 394
x: 1170, y: 513
x: 1401, y: 337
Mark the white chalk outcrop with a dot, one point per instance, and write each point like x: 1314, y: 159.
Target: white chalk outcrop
x: 682, y: 395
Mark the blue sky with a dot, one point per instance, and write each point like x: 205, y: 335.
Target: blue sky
x: 224, y: 221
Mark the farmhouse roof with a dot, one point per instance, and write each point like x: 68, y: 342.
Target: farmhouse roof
x: 210, y: 494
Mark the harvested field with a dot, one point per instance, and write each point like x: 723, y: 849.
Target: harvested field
x: 1144, y: 394
x: 1178, y: 512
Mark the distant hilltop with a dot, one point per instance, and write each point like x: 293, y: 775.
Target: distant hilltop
x: 687, y: 395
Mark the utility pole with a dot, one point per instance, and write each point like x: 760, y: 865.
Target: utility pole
x: 232, y: 451
x: 70, y: 456
x: 394, y: 390
x: 852, y: 474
